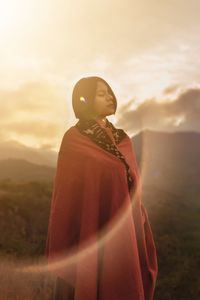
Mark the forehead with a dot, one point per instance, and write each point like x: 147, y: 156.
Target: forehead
x: 101, y: 85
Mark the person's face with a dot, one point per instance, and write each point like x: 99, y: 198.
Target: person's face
x: 104, y: 104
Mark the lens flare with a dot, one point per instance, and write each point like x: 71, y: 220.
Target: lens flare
x: 85, y: 251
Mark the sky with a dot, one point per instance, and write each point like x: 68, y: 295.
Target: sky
x: 148, y: 51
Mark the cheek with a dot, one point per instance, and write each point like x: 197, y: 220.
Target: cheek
x: 98, y: 105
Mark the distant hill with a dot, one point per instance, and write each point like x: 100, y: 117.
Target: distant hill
x: 169, y: 161
x: 16, y: 150
x: 23, y: 170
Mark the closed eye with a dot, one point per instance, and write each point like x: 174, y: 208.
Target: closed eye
x: 103, y: 94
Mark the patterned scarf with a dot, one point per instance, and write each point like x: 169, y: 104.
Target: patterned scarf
x: 97, y: 134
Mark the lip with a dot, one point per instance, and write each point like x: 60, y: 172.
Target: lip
x: 111, y: 105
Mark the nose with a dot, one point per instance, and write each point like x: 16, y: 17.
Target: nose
x: 110, y: 97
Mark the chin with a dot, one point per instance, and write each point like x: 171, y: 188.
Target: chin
x: 111, y: 113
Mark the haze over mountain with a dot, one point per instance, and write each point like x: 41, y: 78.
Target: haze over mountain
x: 21, y: 170
x: 169, y: 161
x: 14, y: 149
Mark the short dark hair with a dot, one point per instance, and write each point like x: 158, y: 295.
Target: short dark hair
x: 83, y: 96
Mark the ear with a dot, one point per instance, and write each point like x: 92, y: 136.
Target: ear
x: 82, y: 99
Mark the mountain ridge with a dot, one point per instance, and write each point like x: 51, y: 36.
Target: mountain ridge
x: 16, y: 150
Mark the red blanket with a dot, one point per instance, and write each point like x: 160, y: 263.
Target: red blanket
x: 99, y: 233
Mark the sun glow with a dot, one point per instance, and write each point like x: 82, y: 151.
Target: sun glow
x: 12, y: 14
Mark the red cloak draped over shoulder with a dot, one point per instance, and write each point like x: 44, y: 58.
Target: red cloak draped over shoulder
x: 90, y: 192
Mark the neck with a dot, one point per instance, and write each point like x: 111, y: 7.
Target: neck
x: 101, y: 120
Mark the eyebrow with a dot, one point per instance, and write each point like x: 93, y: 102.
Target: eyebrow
x: 101, y: 90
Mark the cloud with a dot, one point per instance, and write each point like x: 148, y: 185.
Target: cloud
x: 31, y: 96
x: 33, y: 112
x: 180, y: 114
x: 170, y: 89
x: 37, y: 128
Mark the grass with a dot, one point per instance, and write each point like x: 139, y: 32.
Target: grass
x: 19, y: 285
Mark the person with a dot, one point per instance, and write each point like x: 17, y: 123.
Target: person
x: 96, y: 186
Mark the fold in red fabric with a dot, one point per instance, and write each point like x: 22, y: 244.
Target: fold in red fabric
x: 93, y: 209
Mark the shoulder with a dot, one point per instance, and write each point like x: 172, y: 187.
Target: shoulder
x: 126, y: 139
x: 70, y: 137
x: 76, y: 145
